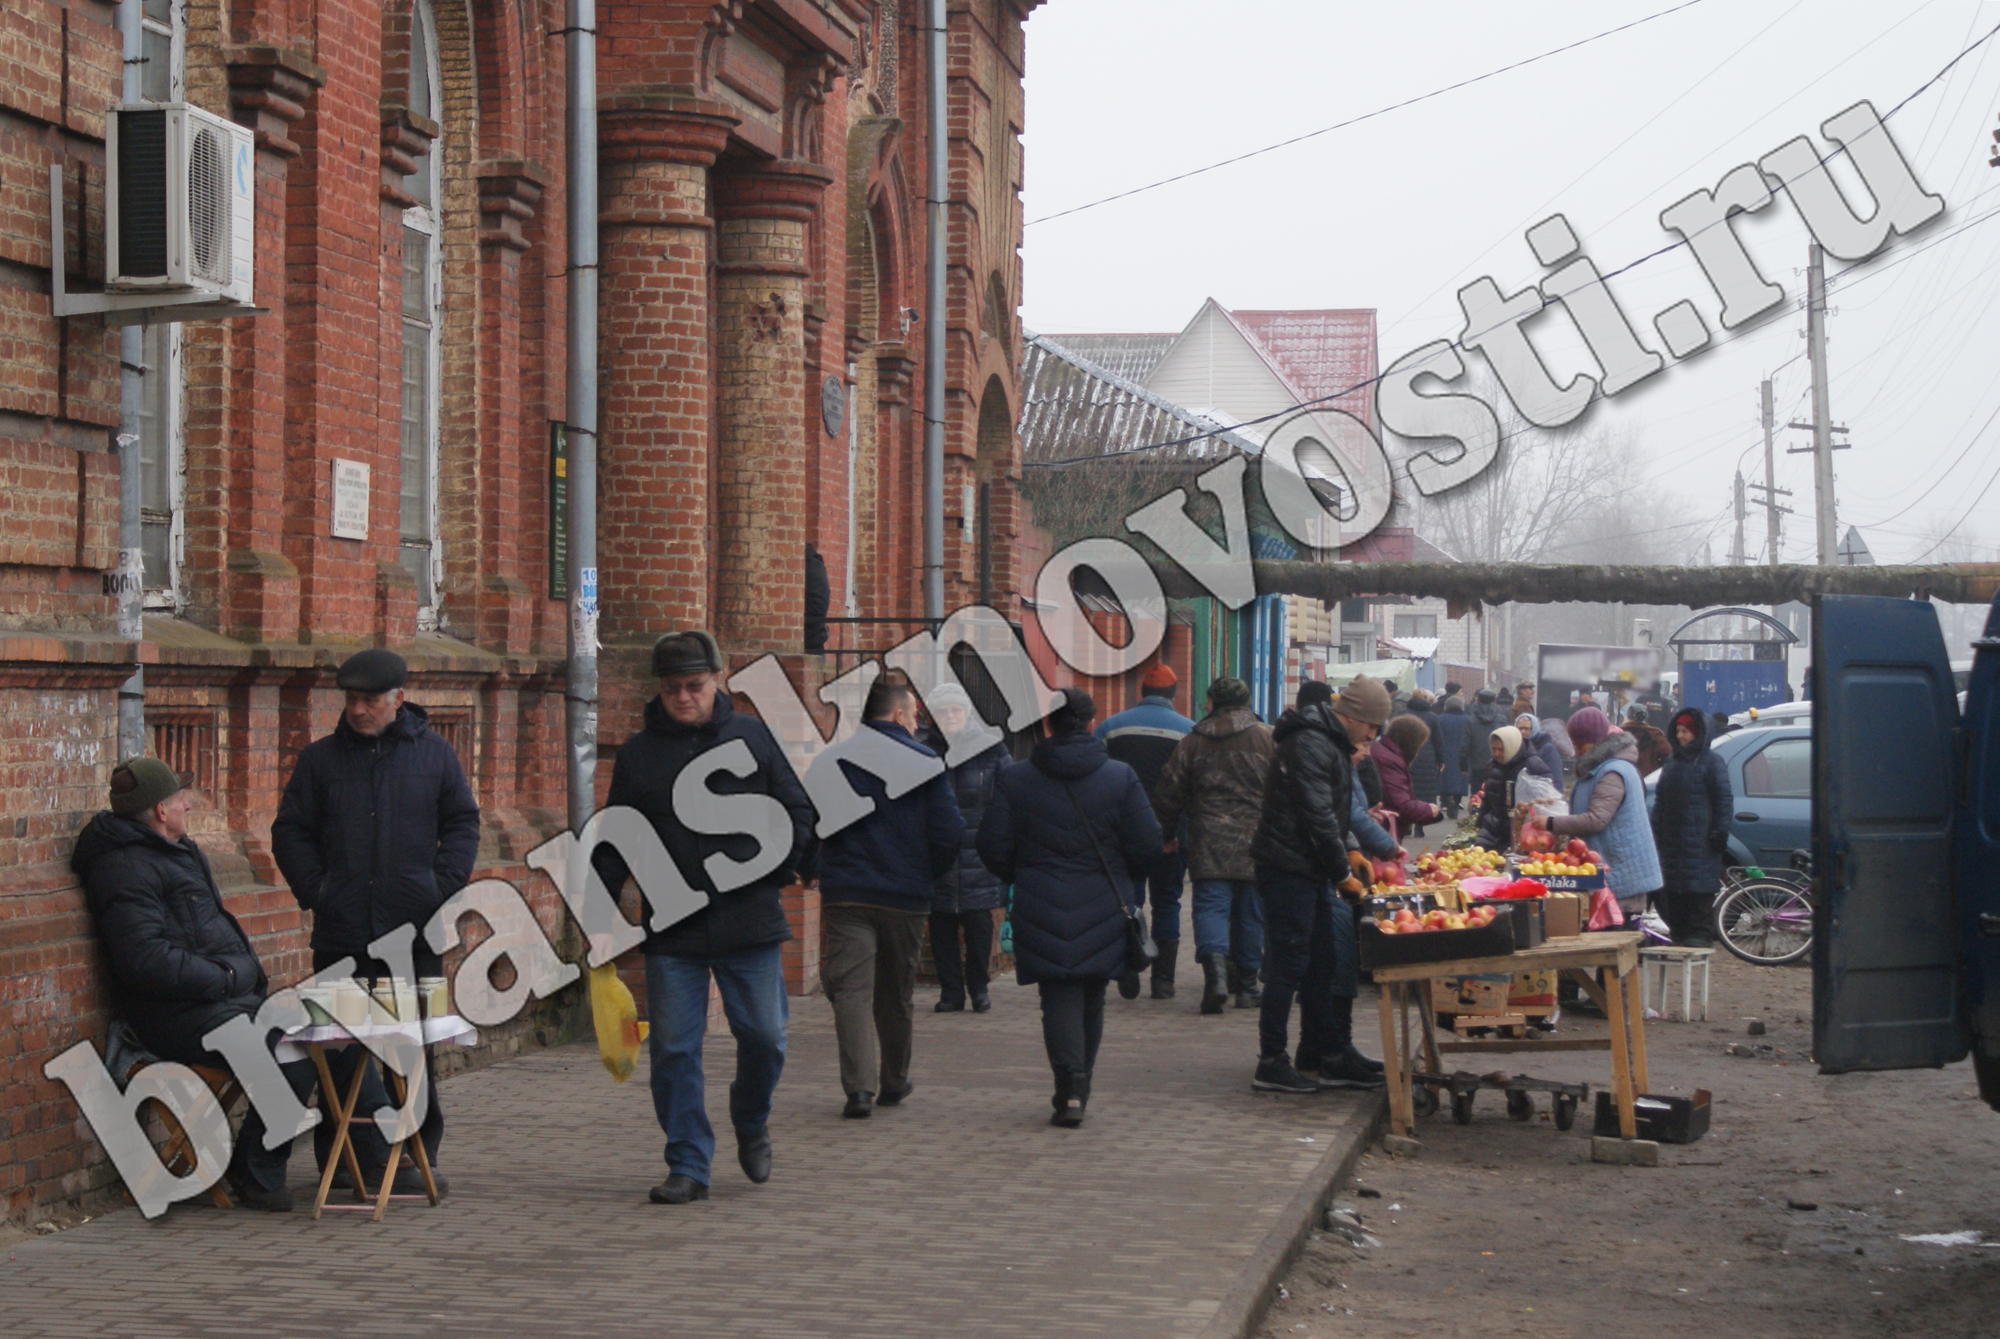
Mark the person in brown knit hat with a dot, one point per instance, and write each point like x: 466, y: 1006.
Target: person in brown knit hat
x: 1301, y: 852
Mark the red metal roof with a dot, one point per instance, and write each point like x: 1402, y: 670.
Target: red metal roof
x: 1324, y: 352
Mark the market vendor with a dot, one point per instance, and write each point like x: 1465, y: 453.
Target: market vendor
x: 1608, y: 807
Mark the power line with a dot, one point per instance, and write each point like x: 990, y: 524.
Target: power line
x: 1365, y: 116
x: 1961, y: 520
x: 1761, y: 325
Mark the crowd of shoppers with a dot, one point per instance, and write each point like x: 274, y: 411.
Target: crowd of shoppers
x: 1074, y: 844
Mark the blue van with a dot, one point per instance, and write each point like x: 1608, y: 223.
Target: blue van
x: 1905, y: 843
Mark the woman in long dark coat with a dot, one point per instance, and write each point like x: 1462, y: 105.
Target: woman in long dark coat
x: 1427, y: 766
x: 1070, y: 828
x: 1448, y: 730
x: 1691, y: 814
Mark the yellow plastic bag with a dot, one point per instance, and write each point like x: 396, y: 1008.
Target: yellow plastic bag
x: 616, y: 1016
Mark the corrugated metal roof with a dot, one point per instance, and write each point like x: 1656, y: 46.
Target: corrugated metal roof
x: 1321, y: 352
x: 1073, y: 407
x: 1129, y: 356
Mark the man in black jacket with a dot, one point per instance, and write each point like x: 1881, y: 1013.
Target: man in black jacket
x: 376, y: 830
x: 1300, y: 852
x: 181, y: 965
x: 875, y: 880
x: 737, y: 939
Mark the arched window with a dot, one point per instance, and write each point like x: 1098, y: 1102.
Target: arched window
x: 423, y: 296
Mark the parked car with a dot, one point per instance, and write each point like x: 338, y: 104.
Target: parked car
x: 1770, y: 776
x: 1782, y: 713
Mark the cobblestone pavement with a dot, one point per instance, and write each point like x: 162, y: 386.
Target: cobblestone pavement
x: 961, y: 1213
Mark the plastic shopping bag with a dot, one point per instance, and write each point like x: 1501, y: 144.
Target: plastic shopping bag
x: 616, y: 1016
x: 1604, y: 911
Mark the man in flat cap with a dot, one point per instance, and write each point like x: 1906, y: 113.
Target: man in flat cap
x: 737, y: 939
x: 181, y: 965
x: 376, y: 830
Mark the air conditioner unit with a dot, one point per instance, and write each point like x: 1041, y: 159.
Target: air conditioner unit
x: 179, y: 202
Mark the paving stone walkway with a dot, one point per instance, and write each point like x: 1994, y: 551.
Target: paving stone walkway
x: 962, y: 1213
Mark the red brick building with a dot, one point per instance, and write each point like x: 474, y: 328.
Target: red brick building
x: 762, y: 235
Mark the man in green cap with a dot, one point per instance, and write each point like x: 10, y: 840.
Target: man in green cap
x: 181, y: 965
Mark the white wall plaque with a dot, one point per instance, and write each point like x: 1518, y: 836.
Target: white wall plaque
x: 350, y: 500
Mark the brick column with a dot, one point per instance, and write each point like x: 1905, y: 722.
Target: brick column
x: 509, y: 190
x: 653, y: 417
x: 243, y: 584
x: 762, y: 214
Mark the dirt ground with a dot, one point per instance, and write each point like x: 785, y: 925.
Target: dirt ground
x: 1791, y: 1217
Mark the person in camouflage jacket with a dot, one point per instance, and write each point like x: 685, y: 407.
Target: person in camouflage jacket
x: 1215, y: 779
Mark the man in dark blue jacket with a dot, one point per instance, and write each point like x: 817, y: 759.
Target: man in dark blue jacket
x: 875, y: 880
x: 737, y: 940
x: 376, y: 830
x: 1144, y: 738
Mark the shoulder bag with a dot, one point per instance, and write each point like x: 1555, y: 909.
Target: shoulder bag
x: 1140, y: 950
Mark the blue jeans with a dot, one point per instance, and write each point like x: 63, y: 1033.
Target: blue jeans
x: 1228, y: 919
x: 753, y: 997
x: 1164, y: 879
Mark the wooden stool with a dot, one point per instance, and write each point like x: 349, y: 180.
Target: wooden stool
x: 179, y: 1159
x: 1666, y: 958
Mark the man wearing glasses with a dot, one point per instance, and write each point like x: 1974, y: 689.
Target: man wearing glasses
x: 737, y: 939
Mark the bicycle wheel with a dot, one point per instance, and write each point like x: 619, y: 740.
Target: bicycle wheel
x: 1768, y: 923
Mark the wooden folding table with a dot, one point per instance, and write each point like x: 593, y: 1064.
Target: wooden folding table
x: 1603, y: 964
x: 316, y: 1040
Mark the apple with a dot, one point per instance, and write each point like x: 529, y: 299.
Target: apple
x: 1576, y: 847
x: 1404, y: 916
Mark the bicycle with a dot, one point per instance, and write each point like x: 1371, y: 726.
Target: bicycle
x: 1765, y: 917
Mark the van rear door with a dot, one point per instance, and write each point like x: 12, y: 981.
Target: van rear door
x: 1886, y: 973
x: 1977, y: 853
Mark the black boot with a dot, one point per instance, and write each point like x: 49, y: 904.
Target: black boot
x: 1163, y: 968
x: 1696, y: 926
x: 1214, y: 983
x: 1248, y: 992
x: 1235, y: 977
x: 1072, y: 1095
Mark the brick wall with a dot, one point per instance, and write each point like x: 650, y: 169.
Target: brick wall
x: 761, y: 230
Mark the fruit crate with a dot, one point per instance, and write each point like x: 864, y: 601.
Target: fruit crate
x: 1487, y: 941
x: 1559, y: 882
x: 1567, y: 883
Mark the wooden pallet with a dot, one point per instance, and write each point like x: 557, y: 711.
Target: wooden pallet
x: 1506, y: 1025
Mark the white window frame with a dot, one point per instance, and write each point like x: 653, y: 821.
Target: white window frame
x: 170, y: 598
x: 426, y: 219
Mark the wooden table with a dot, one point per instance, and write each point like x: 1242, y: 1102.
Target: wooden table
x: 1602, y: 963
x: 315, y: 1041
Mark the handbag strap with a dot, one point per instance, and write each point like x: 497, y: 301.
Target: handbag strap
x: 1102, y: 859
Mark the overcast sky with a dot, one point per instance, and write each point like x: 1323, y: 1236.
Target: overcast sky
x: 1400, y: 211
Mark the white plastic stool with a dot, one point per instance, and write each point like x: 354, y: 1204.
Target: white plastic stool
x: 1665, y: 959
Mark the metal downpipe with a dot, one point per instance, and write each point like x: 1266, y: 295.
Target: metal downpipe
x: 937, y: 146
x: 580, y: 400
x: 128, y: 579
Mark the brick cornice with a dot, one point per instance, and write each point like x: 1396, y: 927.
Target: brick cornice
x: 662, y: 124
x: 269, y: 87
x: 509, y: 189
x: 406, y: 137
x: 776, y: 189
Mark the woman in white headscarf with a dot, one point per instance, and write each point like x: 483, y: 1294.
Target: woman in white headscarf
x: 1511, y: 758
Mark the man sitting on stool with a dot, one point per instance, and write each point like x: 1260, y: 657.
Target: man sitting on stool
x: 181, y: 966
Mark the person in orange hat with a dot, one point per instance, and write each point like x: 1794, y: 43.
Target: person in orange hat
x: 1144, y: 737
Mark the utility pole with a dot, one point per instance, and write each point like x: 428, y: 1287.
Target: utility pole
x: 1736, y: 555
x: 1770, y: 487
x: 1822, y: 425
